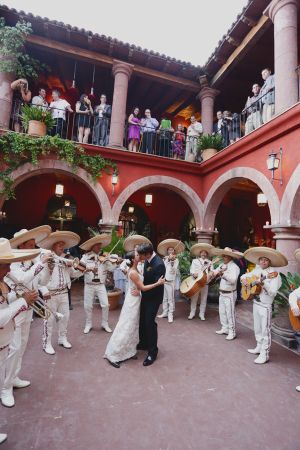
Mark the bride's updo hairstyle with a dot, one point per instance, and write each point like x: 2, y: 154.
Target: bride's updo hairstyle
x: 130, y: 258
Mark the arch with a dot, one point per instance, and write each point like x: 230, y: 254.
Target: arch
x: 227, y: 180
x: 53, y: 165
x: 187, y: 193
x: 290, y: 202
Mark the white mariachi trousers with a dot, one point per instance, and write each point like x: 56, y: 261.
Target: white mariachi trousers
x: 169, y: 298
x: 3, y: 359
x: 202, y: 295
x: 262, y: 315
x: 17, y: 347
x: 58, y: 303
x: 92, y: 291
x: 227, y: 311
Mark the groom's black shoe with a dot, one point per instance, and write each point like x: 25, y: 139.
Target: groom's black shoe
x: 148, y: 361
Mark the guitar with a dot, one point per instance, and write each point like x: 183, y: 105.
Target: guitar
x: 253, y: 286
x: 295, y: 320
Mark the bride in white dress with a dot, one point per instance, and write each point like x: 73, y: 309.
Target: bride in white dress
x: 123, y: 342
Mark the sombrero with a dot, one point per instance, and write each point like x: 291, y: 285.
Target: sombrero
x: 255, y: 253
x: 22, y: 236
x: 103, y: 239
x: 167, y: 243
x: 228, y: 252
x: 9, y: 255
x: 201, y: 246
x: 136, y: 239
x: 71, y: 239
x: 297, y: 254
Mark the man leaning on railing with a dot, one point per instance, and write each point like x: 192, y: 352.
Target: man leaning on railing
x: 58, y: 108
x: 194, y: 131
x: 148, y: 129
x: 253, y: 110
x: 268, y: 95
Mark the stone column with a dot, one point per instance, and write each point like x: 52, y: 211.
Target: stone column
x: 6, y: 95
x: 204, y: 236
x: 122, y: 72
x: 105, y: 227
x: 287, y: 241
x: 207, y: 97
x: 283, y: 14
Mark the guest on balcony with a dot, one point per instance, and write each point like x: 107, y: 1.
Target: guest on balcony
x: 194, y: 131
x: 235, y: 130
x: 84, y: 113
x: 164, y: 137
x: 21, y: 95
x: 149, y: 126
x: 39, y: 101
x: 178, y: 142
x: 253, y: 110
x: 58, y: 107
x: 134, y: 130
x: 268, y: 95
x: 103, y: 115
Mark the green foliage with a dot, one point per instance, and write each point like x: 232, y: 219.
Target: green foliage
x: 31, y: 113
x: 210, y: 141
x: 290, y: 282
x: 185, y: 260
x: 115, y: 239
x: 15, y: 59
x: 17, y: 149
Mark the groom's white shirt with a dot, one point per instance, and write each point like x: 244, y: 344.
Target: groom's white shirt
x: 152, y: 256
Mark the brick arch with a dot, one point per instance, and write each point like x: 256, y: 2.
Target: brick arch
x: 290, y: 203
x: 226, y: 181
x: 53, y: 165
x: 175, y: 185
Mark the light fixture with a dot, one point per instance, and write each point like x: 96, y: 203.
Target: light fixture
x: 73, y: 86
x: 131, y: 209
x: 2, y: 216
x: 148, y: 199
x: 67, y: 203
x: 114, y: 181
x: 59, y: 190
x: 274, y: 162
x: 261, y: 199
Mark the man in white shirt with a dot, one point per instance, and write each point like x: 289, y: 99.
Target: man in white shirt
x: 294, y: 301
x: 269, y: 282
x: 194, y: 131
x: 39, y: 101
x: 229, y: 274
x: 58, y: 108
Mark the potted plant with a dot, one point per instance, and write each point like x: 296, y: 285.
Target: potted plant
x: 209, y: 145
x: 36, y: 121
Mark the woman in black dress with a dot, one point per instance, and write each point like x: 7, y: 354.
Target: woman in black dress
x: 84, y: 114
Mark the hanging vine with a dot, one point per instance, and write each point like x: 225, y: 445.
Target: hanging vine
x: 17, y: 149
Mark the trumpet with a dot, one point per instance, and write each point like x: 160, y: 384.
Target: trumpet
x: 39, y: 306
x: 67, y: 262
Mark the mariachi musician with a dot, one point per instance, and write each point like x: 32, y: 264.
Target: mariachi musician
x: 228, y: 274
x: 169, y: 248
x: 294, y: 301
x: 200, y: 263
x: 269, y: 280
x: 61, y: 270
x: 97, y: 266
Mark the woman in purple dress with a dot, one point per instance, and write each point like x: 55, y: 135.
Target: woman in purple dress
x: 178, y: 143
x: 134, y: 134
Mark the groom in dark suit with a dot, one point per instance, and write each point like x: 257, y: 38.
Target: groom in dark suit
x: 154, y: 268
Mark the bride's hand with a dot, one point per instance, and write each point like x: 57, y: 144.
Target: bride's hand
x: 161, y: 281
x: 135, y: 292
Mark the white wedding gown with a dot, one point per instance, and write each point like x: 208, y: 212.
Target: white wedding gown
x: 123, y: 342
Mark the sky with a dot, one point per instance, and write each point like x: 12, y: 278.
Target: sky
x: 188, y: 31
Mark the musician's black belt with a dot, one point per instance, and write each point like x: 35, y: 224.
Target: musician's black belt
x: 226, y: 292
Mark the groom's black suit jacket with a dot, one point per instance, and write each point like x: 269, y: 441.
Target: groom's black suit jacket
x: 152, y: 273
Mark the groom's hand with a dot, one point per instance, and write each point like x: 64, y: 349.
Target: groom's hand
x: 135, y: 292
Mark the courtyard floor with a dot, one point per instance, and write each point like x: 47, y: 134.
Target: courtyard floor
x: 202, y: 393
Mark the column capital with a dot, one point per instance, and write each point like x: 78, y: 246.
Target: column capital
x: 122, y: 67
x: 105, y: 227
x: 276, y: 5
x: 205, y: 236
x: 208, y: 92
x: 285, y: 231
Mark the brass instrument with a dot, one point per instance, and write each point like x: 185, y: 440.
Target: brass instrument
x: 39, y: 306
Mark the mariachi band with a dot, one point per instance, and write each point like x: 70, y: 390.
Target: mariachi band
x: 36, y: 275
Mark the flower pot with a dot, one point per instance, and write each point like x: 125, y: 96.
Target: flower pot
x: 36, y: 128
x: 114, y: 298
x: 208, y: 153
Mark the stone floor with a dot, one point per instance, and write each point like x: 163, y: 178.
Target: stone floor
x: 202, y: 393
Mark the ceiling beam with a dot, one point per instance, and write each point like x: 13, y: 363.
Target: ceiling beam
x: 72, y: 51
x: 188, y: 101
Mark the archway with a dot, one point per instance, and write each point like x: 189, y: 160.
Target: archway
x: 290, y: 203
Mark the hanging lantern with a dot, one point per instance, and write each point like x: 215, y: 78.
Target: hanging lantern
x: 59, y: 190
x: 73, y: 88
x: 92, y: 94
x: 148, y: 199
x: 261, y: 199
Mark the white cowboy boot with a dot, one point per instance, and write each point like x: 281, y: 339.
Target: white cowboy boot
x: 170, y: 317
x: 18, y: 383
x: 254, y: 351
x: 7, y: 398
x: 222, y: 331
x: 230, y: 336
x: 261, y: 359
x: 87, y: 328
x: 49, y: 349
x: 3, y: 437
x: 64, y: 343
x: 162, y: 315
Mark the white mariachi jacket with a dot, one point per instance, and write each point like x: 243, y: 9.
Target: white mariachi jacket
x: 230, y: 277
x: 171, y: 269
x: 60, y: 278
x: 199, y: 265
x: 91, y: 260
x: 294, y: 297
x: 7, y: 315
x: 270, y: 286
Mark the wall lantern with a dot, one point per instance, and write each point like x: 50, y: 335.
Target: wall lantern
x: 148, y: 199
x: 114, y: 181
x: 59, y: 190
x: 274, y: 162
x: 131, y: 209
x: 261, y: 199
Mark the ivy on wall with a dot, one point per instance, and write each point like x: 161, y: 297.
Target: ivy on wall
x: 17, y: 149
